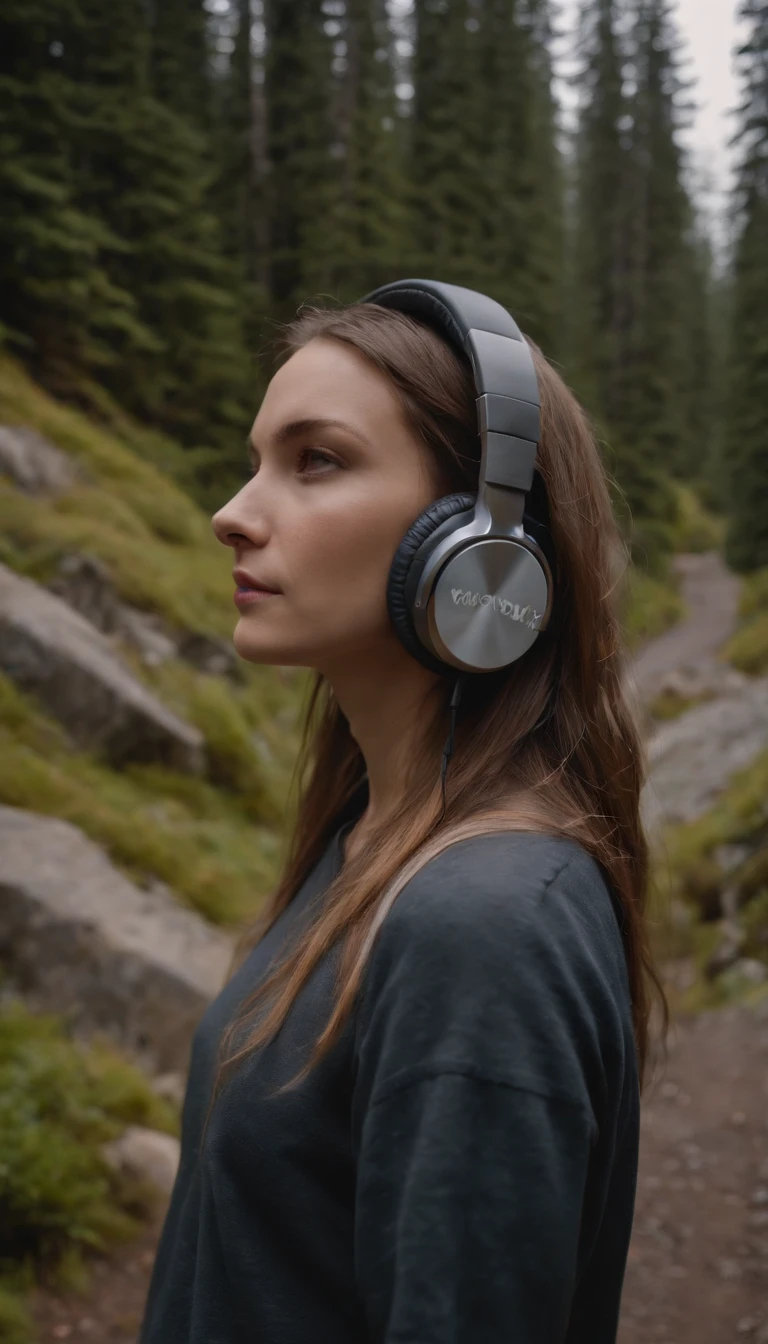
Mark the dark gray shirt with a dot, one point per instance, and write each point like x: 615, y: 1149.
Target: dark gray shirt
x: 461, y: 1168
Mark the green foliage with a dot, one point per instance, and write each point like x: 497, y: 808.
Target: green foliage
x: 651, y: 606
x: 748, y: 648
x: 155, y: 541
x: 746, y: 459
x: 110, y: 259
x: 59, y: 1103
x: 16, y: 1325
x: 670, y: 704
x: 688, y: 864
x: 695, y: 529
x: 483, y: 132
x: 689, y: 881
x: 639, y: 286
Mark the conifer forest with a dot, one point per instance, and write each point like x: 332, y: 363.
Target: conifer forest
x: 177, y: 176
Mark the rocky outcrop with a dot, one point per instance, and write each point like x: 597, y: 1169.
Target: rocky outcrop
x: 34, y: 464
x: 78, y: 937
x: 692, y: 758
x: 48, y: 648
x: 84, y: 583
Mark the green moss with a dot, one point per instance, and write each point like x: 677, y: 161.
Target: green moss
x: 686, y: 876
x: 748, y: 648
x: 157, y: 544
x: 669, y: 705
x: 754, y: 595
x: 60, y: 1101
x: 651, y: 606
x: 151, y: 821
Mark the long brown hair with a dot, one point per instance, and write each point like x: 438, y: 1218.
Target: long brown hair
x: 550, y: 744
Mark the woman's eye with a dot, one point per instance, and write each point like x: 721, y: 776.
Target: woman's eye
x: 305, y: 455
x: 309, y: 453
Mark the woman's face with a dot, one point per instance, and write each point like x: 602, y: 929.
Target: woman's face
x: 339, y: 478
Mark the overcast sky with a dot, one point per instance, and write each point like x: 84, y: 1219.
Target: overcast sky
x: 710, y: 31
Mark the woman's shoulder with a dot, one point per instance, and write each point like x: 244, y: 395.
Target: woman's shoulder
x: 510, y: 942
x: 542, y: 895
x: 511, y: 876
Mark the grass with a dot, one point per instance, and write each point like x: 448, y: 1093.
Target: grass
x: 151, y: 821
x: 60, y: 1101
x: 690, y: 878
x: 695, y: 529
x: 651, y: 606
x: 155, y: 541
x: 748, y: 648
x: 669, y: 704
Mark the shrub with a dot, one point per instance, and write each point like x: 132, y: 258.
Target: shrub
x: 60, y: 1101
x: 748, y: 648
x: 696, y: 529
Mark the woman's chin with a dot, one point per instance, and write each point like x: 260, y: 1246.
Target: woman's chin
x: 253, y: 647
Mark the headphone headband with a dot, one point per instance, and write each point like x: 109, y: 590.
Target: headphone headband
x: 505, y: 378
x: 470, y: 585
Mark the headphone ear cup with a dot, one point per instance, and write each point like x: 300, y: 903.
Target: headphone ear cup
x: 405, y: 572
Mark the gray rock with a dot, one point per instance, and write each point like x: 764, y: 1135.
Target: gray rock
x: 171, y: 1087
x: 84, y: 582
x: 148, y: 634
x: 146, y: 1155
x: 34, y: 464
x: 692, y: 758
x: 78, y: 938
x: 209, y: 654
x: 48, y: 648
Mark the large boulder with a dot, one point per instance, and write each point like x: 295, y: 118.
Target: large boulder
x: 48, y: 648
x: 79, y: 938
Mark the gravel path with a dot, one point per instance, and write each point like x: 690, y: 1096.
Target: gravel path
x: 711, y: 596
x: 698, y: 1263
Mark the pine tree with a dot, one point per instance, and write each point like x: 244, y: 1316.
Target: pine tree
x: 61, y: 302
x: 179, y: 59
x: 746, y: 445
x: 451, y: 196
x: 635, y: 264
x: 304, y: 160
x: 370, y: 241
x: 523, y: 217
x: 485, y: 170
x: 113, y: 260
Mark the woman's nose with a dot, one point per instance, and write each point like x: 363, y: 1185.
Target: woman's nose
x: 233, y: 524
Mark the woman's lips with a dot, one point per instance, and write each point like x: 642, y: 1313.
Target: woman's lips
x: 245, y: 597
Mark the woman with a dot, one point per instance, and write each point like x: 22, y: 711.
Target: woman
x: 412, y: 1112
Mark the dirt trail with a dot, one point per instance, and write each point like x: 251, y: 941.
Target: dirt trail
x: 698, y: 1263
x: 711, y: 597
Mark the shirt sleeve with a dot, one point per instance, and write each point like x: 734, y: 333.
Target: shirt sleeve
x: 480, y: 1089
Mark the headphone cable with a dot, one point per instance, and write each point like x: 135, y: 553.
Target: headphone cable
x: 448, y: 749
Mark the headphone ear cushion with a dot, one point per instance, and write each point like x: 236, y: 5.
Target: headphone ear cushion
x: 404, y: 574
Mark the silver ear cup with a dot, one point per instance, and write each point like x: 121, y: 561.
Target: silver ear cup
x: 488, y: 604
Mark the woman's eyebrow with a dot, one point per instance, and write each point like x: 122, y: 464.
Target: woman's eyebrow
x: 294, y: 428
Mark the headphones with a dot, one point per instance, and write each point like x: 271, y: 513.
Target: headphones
x: 470, y: 586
